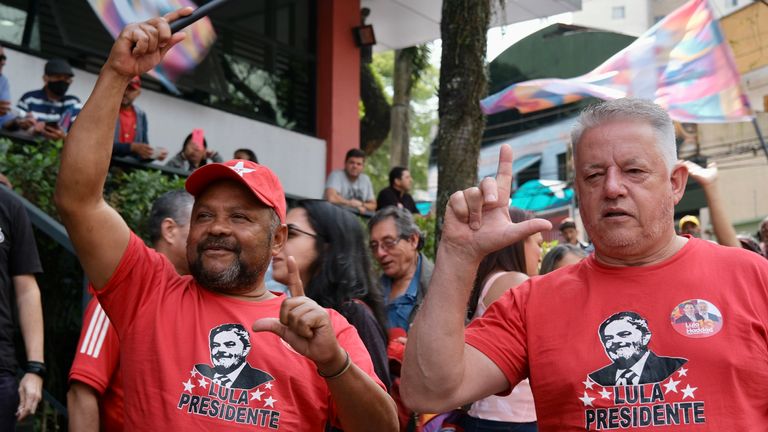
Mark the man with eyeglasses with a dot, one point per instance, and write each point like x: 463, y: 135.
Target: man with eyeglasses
x: 50, y: 111
x: 395, y: 244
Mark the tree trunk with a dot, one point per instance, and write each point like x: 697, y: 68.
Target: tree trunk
x: 374, y: 126
x: 401, y: 106
x: 463, y: 82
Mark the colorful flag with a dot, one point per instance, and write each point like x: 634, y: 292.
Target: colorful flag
x: 683, y: 63
x: 116, y: 14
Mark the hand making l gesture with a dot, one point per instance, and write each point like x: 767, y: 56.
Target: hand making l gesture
x: 477, y: 219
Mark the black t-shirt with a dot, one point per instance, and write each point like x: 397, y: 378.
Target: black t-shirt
x: 391, y: 197
x: 18, y: 256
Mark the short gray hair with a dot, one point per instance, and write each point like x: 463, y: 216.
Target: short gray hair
x: 406, y: 227
x: 630, y: 109
x: 175, y: 204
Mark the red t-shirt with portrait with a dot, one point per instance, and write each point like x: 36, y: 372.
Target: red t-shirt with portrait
x: 96, y: 364
x: 606, y: 348
x: 165, y: 323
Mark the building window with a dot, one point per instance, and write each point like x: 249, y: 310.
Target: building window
x: 533, y: 172
x: 617, y: 12
x: 734, y: 2
x: 562, y: 169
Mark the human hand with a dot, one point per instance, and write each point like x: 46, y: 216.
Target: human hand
x: 141, y: 46
x: 209, y: 154
x: 143, y: 151
x: 160, y: 153
x: 53, y: 133
x: 703, y: 176
x: 27, y: 122
x: 477, y: 219
x: 5, y: 107
x: 354, y: 203
x: 305, y: 326
x: 30, y: 393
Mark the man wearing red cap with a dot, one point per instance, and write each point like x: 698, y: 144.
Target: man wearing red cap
x: 316, y: 370
x: 131, y: 134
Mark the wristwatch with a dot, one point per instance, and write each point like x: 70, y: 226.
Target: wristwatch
x: 37, y: 368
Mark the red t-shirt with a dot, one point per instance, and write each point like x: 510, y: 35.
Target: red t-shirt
x: 169, y: 327
x: 127, y: 124
x: 705, y: 374
x: 96, y: 364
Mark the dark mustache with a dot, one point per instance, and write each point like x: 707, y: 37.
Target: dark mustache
x: 218, y: 243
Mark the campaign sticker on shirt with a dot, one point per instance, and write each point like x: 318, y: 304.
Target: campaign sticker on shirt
x: 696, y: 318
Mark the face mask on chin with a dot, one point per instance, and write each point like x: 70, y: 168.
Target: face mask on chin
x: 59, y: 88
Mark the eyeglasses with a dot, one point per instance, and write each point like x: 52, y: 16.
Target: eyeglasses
x: 294, y: 229
x: 387, y: 244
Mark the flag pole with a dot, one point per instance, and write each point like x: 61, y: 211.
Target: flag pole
x: 760, y: 136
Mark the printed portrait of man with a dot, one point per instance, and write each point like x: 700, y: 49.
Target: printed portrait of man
x: 230, y: 345
x: 625, y: 337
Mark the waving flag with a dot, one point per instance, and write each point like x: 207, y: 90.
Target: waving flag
x: 116, y: 14
x: 683, y: 63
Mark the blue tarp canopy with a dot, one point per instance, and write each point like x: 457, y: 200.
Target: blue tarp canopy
x: 537, y: 195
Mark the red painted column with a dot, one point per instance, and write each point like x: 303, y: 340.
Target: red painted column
x: 338, y: 79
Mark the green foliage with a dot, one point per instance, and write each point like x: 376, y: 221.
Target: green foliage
x: 32, y: 169
x: 547, y: 246
x: 133, y: 192
x: 427, y: 226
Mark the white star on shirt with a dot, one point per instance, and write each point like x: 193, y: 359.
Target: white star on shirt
x: 269, y: 402
x: 588, y: 383
x: 671, y: 386
x: 586, y: 399
x: 202, y: 383
x: 257, y: 394
x: 605, y: 394
x: 193, y: 372
x: 268, y: 385
x: 188, y: 386
x: 240, y: 169
x: 688, y: 391
x: 682, y: 372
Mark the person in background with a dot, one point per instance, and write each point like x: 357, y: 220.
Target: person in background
x: 721, y: 224
x: 397, y: 194
x: 95, y: 396
x: 570, y: 233
x: 328, y: 246
x: 498, y: 272
x: 690, y: 224
x: 763, y: 233
x: 50, y: 111
x: 561, y: 256
x: 19, y: 292
x: 6, y: 114
x: 350, y: 187
x: 246, y: 154
x: 194, y: 154
x: 131, y: 131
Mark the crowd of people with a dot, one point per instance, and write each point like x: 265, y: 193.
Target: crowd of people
x: 639, y: 328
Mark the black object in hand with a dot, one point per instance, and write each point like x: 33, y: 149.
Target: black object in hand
x: 199, y: 13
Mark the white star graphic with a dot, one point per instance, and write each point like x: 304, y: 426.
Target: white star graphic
x: 202, y: 383
x: 268, y: 385
x: 193, y: 372
x: 688, y: 391
x: 257, y: 394
x: 671, y: 386
x: 588, y: 383
x: 586, y: 399
x: 188, y: 386
x: 605, y: 394
x: 240, y: 169
x: 269, y: 402
x: 682, y: 372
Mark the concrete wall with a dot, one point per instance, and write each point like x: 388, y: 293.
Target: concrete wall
x: 299, y: 160
x: 742, y: 177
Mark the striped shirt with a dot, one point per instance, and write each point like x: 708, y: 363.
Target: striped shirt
x: 48, y: 110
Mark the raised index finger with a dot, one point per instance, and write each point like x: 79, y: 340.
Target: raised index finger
x: 504, y: 174
x: 295, y: 285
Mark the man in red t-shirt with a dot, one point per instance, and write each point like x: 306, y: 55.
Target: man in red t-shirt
x: 132, y: 128
x: 602, y: 341
x: 311, y: 368
x: 95, y: 397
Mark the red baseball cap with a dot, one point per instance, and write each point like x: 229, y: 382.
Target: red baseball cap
x: 259, y: 179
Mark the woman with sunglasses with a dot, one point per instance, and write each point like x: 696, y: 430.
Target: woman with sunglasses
x: 328, y: 245
x: 499, y: 272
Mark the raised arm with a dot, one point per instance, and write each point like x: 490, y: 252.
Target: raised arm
x: 721, y: 224
x: 440, y: 371
x: 99, y: 234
